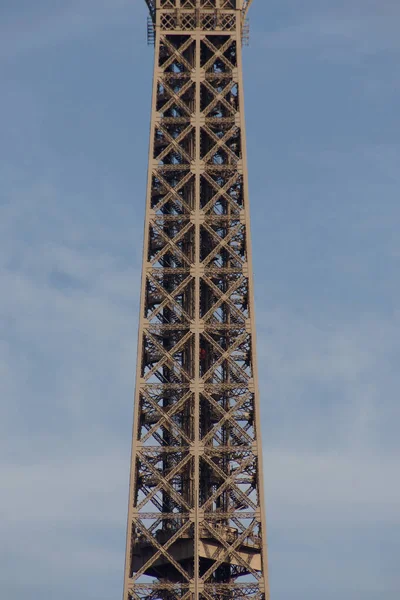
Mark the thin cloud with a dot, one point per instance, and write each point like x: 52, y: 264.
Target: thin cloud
x: 44, y: 27
x: 342, y: 35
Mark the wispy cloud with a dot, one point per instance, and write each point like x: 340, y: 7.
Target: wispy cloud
x: 331, y: 385
x: 45, y: 25
x: 339, y: 32
x: 67, y: 344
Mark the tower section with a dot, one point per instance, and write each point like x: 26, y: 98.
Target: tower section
x: 196, y: 524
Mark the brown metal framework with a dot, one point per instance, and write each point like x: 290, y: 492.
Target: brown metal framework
x: 196, y: 524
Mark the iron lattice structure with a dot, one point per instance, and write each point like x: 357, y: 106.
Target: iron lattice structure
x: 196, y: 525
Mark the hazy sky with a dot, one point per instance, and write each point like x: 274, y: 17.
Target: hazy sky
x: 322, y: 101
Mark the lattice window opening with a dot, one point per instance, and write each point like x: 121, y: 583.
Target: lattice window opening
x: 231, y: 532
x: 163, y: 529
x: 180, y: 89
x: 213, y: 48
x: 233, y: 239
x: 208, y: 21
x: 219, y: 112
x: 228, y: 4
x: 207, y: 192
x: 218, y: 505
x: 179, y: 423
x: 170, y: 312
x: 181, y: 94
x: 165, y: 435
x: 226, y: 595
x: 220, y: 158
x: 214, y: 320
x: 148, y: 479
x: 206, y: 97
x: 167, y: 3
x: 159, y: 587
x: 162, y: 98
x: 216, y: 151
x: 172, y: 351
x: 219, y: 109
x: 188, y: 3
x: 161, y: 594
x: 226, y: 318
x: 177, y: 67
x: 175, y: 85
x: 216, y: 306
x: 223, y: 371
x: 230, y: 53
x: 176, y: 187
x: 164, y: 53
x: 219, y: 66
x: 218, y: 198
x: 178, y: 202
x: 153, y: 355
x: 221, y: 205
x: 165, y: 438
x: 156, y: 244
x: 223, y: 283
x: 160, y: 143
x: 211, y: 414
x: 161, y: 241
x: 207, y: 244
x: 218, y: 257
x: 155, y: 398
x: 222, y: 342
x: 238, y: 299
x: 168, y: 22
x: 162, y: 282
x: 217, y: 467
x: 179, y: 48
x: 222, y: 431
x: 162, y: 311
x: 183, y: 131
x: 235, y: 191
x: 178, y: 109
x: 169, y: 152
x: 228, y: 592
x: 178, y: 86
x: 167, y: 466
x: 223, y: 87
x: 173, y: 158
x: 237, y: 502
x: 170, y: 224
x: 164, y: 532
x: 227, y: 22
x: 188, y: 21
x: 176, y: 237
x: 175, y: 111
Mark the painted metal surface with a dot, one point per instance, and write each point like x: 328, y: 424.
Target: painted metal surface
x: 196, y: 523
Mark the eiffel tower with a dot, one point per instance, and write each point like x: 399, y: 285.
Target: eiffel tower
x: 196, y: 524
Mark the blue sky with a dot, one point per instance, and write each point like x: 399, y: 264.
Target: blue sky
x: 322, y: 97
